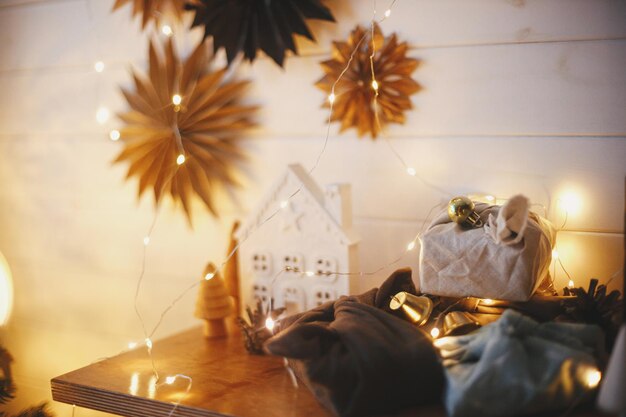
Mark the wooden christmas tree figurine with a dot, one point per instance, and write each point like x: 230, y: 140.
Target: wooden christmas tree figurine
x: 214, y: 304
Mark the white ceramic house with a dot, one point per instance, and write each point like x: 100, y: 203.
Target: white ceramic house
x: 294, y: 256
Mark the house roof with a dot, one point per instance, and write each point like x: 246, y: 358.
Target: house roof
x: 269, y: 206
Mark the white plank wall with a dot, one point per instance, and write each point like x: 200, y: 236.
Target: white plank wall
x: 519, y: 96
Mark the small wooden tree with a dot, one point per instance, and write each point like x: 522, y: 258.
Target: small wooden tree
x: 213, y: 304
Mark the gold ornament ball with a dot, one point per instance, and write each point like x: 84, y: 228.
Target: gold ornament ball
x: 461, y: 211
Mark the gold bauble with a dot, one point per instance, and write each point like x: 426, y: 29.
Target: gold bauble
x: 461, y: 211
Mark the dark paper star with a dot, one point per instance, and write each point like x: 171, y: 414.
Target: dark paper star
x: 250, y: 25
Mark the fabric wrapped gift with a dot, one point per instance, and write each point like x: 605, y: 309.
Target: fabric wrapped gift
x: 461, y: 262
x: 517, y: 366
x: 357, y: 358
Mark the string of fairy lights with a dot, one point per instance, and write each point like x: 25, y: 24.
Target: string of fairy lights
x: 103, y: 114
x: 115, y: 135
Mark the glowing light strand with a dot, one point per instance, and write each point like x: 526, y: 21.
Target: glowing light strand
x: 411, y: 171
x: 273, y: 214
x: 375, y: 85
x: 169, y: 381
x: 558, y: 258
x: 148, y: 337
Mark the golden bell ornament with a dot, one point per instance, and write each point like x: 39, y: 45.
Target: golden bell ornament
x: 457, y: 323
x: 461, y: 211
x: 417, y: 308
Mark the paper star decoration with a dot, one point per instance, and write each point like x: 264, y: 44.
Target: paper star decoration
x: 249, y: 25
x: 154, y: 10
x: 354, y: 94
x: 182, y: 131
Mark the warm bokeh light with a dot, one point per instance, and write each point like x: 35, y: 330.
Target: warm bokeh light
x: 99, y: 66
x: 102, y: 115
x: 589, y: 375
x: 114, y: 135
x: 133, y: 388
x: 570, y: 202
x: 167, y: 30
x: 6, y: 291
x: 270, y: 323
x: 434, y: 332
x: 152, y: 387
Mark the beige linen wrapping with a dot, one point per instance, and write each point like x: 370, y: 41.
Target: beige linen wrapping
x: 459, y: 262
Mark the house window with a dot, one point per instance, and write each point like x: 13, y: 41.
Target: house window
x: 325, y: 266
x: 262, y: 263
x: 293, y: 262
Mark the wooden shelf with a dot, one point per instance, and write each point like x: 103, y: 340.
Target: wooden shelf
x: 227, y: 381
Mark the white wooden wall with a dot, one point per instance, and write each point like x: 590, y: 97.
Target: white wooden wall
x: 519, y: 96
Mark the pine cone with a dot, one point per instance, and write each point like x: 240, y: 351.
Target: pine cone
x: 254, y: 331
x: 594, y: 306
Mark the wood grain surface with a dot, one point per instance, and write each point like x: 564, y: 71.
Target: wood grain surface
x: 227, y: 381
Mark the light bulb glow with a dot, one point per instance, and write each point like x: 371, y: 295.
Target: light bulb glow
x: 170, y: 380
x: 209, y: 276
x: 270, y: 323
x: 102, y: 115
x: 177, y: 99
x: 309, y: 273
x: 487, y: 301
x: 114, y: 135
x: 149, y: 343
x: 592, y: 377
x: 571, y: 284
x: 152, y: 387
x: 146, y: 240
x: 570, y: 202
x: 132, y: 345
x: 490, y: 198
x: 6, y: 291
x: 410, y: 246
x: 411, y: 171
x: 434, y: 332
x: 387, y: 12
x: 180, y: 159
x: 99, y: 66
x: 167, y: 30
x: 555, y: 254
x: 375, y: 85
x: 133, y: 388
x: 284, y: 204
x: 331, y: 98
